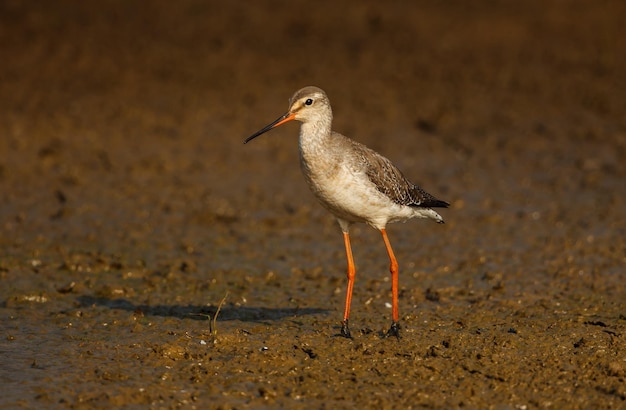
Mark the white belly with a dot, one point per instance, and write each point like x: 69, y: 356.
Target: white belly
x: 353, y: 197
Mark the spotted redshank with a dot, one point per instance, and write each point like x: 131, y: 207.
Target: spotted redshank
x: 355, y: 183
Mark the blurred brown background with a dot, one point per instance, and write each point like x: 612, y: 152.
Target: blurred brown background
x: 127, y: 198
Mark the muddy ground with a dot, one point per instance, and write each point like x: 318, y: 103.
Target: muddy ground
x: 129, y: 207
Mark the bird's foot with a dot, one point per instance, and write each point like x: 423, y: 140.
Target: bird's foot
x: 394, y: 330
x: 345, y: 331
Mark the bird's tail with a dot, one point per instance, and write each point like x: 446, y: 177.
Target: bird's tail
x: 436, y: 203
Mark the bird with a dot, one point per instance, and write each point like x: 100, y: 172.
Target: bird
x: 354, y: 183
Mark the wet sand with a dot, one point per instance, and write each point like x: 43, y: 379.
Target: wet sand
x: 130, y: 209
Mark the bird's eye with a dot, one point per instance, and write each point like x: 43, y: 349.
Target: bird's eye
x: 309, y: 101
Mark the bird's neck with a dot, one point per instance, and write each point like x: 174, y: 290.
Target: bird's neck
x: 314, y: 135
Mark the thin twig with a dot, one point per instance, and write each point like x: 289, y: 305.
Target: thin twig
x: 213, y: 323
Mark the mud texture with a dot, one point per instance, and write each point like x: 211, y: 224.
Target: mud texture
x: 130, y: 209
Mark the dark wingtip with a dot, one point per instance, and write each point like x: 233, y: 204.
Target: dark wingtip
x: 435, y: 203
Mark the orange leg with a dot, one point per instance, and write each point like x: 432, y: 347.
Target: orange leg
x: 393, y: 268
x: 345, y: 331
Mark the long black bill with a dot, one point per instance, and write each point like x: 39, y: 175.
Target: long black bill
x: 286, y: 117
